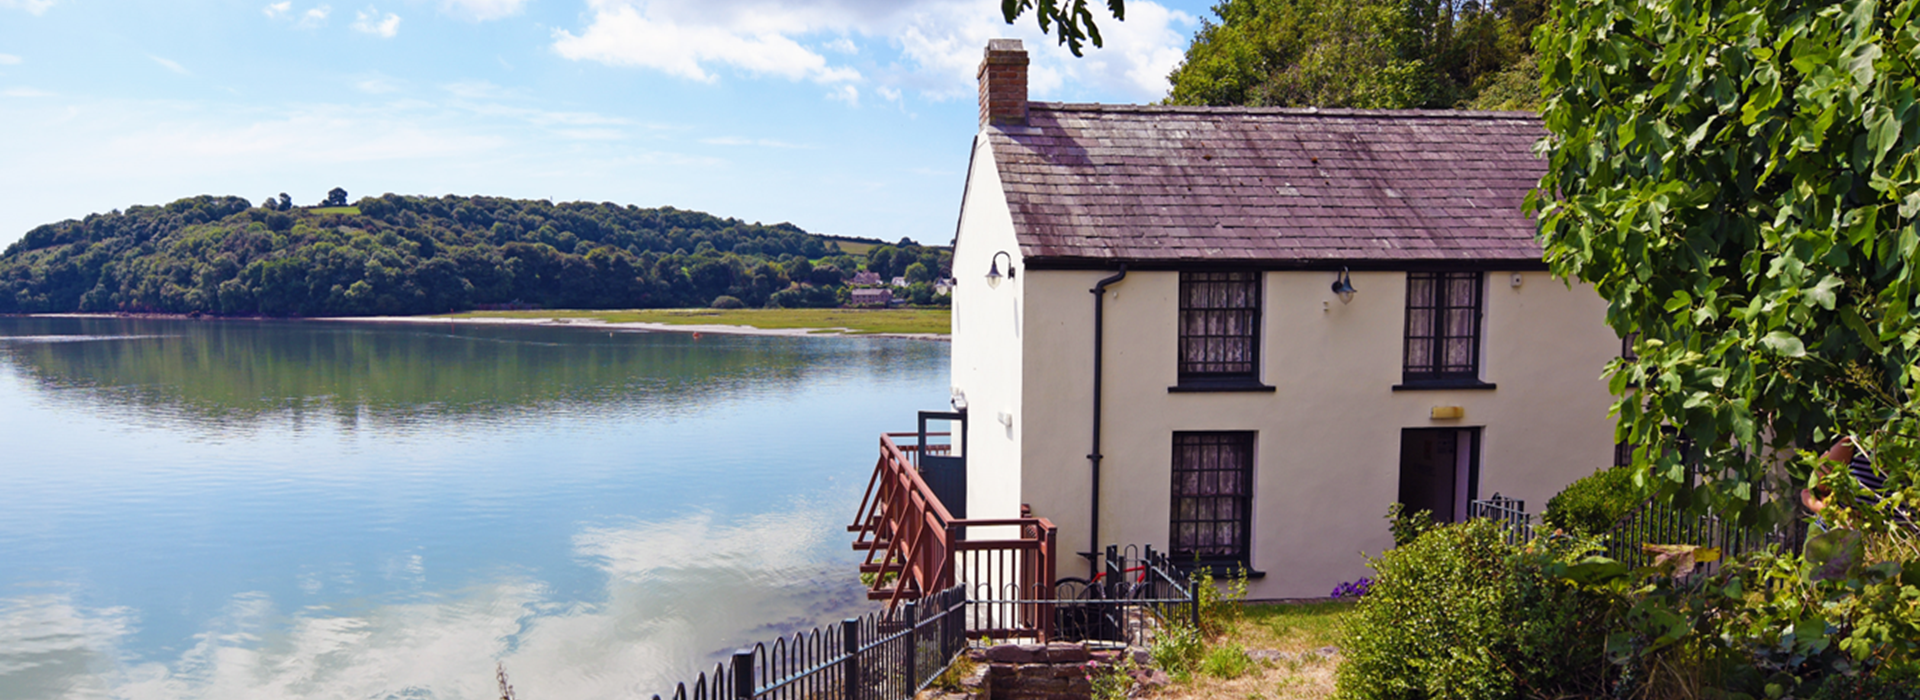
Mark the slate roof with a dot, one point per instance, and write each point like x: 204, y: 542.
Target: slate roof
x: 1095, y: 184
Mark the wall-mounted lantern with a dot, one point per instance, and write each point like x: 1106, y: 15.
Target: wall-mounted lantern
x: 993, y: 269
x: 1343, y: 286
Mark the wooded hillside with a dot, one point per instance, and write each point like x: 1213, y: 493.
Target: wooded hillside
x: 408, y: 255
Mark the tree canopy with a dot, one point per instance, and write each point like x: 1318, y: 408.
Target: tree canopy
x: 403, y: 255
x: 1738, y: 181
x: 1375, y: 54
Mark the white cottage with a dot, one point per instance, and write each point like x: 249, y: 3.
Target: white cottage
x: 1239, y: 334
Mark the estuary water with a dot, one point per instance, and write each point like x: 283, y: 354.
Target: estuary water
x: 257, y: 509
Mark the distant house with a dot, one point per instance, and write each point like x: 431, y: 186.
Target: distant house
x: 1246, y: 411
x: 900, y: 282
x: 872, y: 296
x: 864, y: 278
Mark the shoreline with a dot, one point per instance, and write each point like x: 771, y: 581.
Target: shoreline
x: 594, y: 323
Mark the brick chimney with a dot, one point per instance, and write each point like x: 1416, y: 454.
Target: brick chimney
x: 1003, y: 84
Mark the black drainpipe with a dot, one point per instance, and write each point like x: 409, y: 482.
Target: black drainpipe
x: 1099, y: 351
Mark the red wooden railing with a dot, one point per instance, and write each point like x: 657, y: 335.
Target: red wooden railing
x: 915, y: 548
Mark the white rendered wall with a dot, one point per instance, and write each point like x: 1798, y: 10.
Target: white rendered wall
x: 1328, y: 438
x: 987, y: 342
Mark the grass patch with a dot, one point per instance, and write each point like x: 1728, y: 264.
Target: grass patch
x: 1296, y: 626
x: 859, y: 249
x: 349, y: 211
x: 1226, y: 662
x: 1227, y: 669
x: 855, y: 320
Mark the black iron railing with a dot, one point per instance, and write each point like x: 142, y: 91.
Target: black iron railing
x: 1135, y: 592
x: 1509, y: 513
x: 876, y: 657
x: 1658, y: 521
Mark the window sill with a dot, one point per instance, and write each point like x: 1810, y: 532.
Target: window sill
x: 1444, y: 385
x: 1222, y: 569
x: 1199, y: 386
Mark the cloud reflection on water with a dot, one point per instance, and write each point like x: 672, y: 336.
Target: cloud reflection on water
x: 676, y: 594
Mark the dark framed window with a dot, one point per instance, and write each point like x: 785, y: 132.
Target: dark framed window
x: 1212, y: 496
x: 1219, y: 326
x: 1443, y: 326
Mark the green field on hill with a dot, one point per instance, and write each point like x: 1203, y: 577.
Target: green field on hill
x: 854, y: 320
x: 860, y: 249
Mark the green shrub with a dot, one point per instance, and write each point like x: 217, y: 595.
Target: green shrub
x: 1593, y: 504
x: 1176, y: 647
x: 1407, y: 526
x: 1458, y: 613
x: 1114, y: 682
x: 728, y: 302
x: 1228, y: 661
x: 1885, y: 686
x: 1221, y: 603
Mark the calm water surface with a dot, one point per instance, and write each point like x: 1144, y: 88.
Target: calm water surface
x: 261, y: 509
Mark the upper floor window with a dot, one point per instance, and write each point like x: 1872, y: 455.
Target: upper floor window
x: 1443, y: 326
x: 1219, y: 327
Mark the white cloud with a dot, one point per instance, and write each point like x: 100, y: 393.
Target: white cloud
x: 845, y: 93
x: 376, y: 84
x: 939, y: 44
x: 663, y: 37
x: 7, y: 59
x: 477, y: 90
x: 315, y: 17
x: 277, y: 10
x: 888, y: 93
x: 670, y: 594
x: 482, y: 10
x: 33, y: 7
x: 369, y: 21
x: 170, y: 65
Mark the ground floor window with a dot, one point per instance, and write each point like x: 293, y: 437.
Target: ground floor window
x: 1212, y: 496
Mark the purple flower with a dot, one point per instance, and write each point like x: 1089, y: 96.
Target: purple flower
x: 1353, y: 589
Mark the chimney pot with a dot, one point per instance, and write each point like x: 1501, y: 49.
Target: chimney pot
x: 1003, y: 84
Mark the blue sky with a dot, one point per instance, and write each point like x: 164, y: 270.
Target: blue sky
x: 848, y: 117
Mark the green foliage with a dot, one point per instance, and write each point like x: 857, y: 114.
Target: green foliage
x: 727, y: 302
x: 1112, y: 682
x: 1458, y: 613
x: 1514, y: 88
x: 1407, y: 527
x: 1739, y: 182
x: 1893, y: 685
x: 1771, y: 625
x: 1176, y: 647
x: 1591, y: 505
x: 1381, y: 54
x: 1221, y: 603
x: 412, y: 255
x: 1227, y: 661
x: 956, y: 673
x: 1071, y: 20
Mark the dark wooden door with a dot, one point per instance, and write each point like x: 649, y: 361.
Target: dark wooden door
x: 945, y: 472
